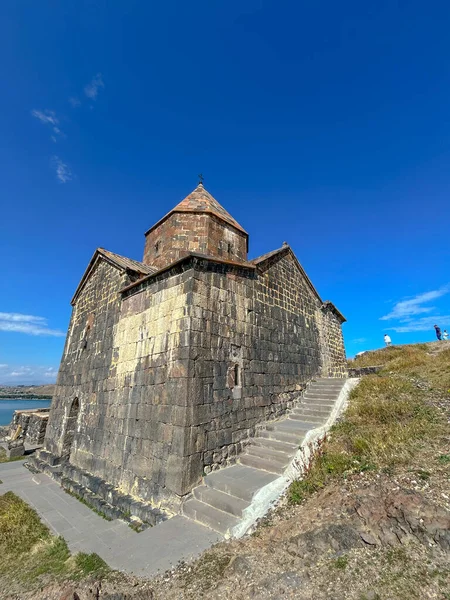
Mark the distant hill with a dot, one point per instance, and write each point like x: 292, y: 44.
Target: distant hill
x: 27, y: 391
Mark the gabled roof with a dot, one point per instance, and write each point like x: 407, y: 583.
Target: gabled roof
x: 126, y: 263
x: 201, y: 201
x: 327, y: 305
x: 263, y: 257
x: 283, y: 251
x: 116, y: 260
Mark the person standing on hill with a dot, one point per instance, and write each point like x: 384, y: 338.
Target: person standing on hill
x: 387, y: 339
x: 445, y: 335
x: 438, y: 332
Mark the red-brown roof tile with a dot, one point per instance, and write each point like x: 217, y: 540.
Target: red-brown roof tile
x: 200, y: 200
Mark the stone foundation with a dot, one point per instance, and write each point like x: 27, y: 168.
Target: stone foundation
x: 99, y: 494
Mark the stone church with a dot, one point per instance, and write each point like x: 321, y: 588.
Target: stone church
x: 171, y: 363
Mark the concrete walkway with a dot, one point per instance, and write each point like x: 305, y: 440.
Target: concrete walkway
x: 154, y: 550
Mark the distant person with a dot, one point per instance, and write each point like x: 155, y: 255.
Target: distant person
x: 438, y: 332
x: 445, y: 335
x: 387, y: 340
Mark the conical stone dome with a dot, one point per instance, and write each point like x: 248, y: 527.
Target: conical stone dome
x: 198, y: 224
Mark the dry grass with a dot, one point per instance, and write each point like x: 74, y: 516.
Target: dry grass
x: 389, y: 418
x: 429, y: 362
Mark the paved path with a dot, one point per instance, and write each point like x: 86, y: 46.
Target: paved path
x: 155, y: 549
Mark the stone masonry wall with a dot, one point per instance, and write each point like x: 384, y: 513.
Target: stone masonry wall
x: 335, y: 362
x: 169, y: 379
x: 225, y: 241
x: 153, y: 366
x: 176, y: 236
x: 181, y: 233
x: 131, y: 384
x: 256, y: 341
x: 84, y: 371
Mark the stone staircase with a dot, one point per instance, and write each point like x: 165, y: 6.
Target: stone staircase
x: 220, y: 502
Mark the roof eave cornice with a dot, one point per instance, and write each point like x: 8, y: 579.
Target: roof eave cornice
x: 189, y: 256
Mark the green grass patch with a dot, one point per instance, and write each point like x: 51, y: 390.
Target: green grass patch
x: 90, y: 564
x: 341, y: 562
x: 88, y: 504
x: 387, y: 421
x: 28, y: 551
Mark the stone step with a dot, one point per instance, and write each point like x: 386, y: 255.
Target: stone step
x: 220, y: 500
x: 307, y: 418
x: 290, y: 426
x: 208, y: 515
x: 326, y: 386
x: 313, y: 412
x: 264, y: 464
x: 312, y: 397
x: 332, y: 380
x: 322, y: 392
x: 266, y: 442
x: 239, y: 480
x: 281, y: 457
x: 316, y: 404
x: 301, y: 424
x: 280, y: 436
x: 326, y: 393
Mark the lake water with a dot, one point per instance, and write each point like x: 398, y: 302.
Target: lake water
x: 8, y: 406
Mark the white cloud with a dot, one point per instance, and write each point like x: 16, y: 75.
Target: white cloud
x: 422, y: 324
x: 406, y: 312
x: 74, y: 102
x: 48, y: 117
x: 21, y: 317
x: 3, y: 366
x: 63, y: 171
x: 405, y: 309
x: 92, y: 88
x: 29, y: 375
x: 359, y: 340
x: 22, y: 371
x: 28, y: 324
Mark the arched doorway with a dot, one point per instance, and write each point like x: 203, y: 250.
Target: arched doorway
x: 70, y: 428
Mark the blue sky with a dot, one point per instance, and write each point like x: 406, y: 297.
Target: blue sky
x: 320, y: 123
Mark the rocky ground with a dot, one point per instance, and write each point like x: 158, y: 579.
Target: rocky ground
x: 380, y: 530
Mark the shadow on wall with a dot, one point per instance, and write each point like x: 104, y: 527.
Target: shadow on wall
x: 71, y: 428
